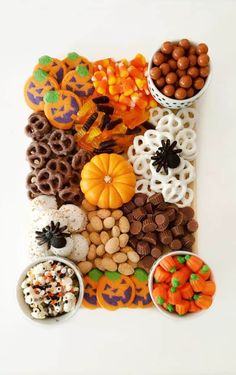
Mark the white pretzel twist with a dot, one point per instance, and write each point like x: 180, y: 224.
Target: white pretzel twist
x: 174, y: 190
x: 143, y: 186
x: 157, y: 113
x: 187, y: 174
x: 141, y: 166
x: 186, y: 140
x: 187, y: 199
x: 188, y: 117
x: 170, y: 123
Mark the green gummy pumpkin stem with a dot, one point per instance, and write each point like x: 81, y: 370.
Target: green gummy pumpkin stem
x: 181, y: 259
x: 173, y: 289
x: 205, y: 268
x: 72, y: 56
x: 187, y: 257
x: 160, y: 300
x: 194, y: 276
x: 45, y: 60
x: 40, y: 75
x: 95, y: 274
x: 170, y: 307
x: 172, y: 270
x: 196, y: 296
x: 113, y: 276
x: 175, y: 282
x: 82, y: 70
x: 141, y: 274
x: 51, y: 97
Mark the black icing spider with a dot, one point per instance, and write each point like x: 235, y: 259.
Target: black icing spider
x: 52, y: 235
x: 166, y: 156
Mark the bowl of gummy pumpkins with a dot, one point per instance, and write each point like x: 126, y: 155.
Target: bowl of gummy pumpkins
x: 181, y: 284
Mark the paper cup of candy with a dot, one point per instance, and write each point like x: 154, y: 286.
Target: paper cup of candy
x: 179, y: 73
x: 50, y: 290
x: 181, y: 284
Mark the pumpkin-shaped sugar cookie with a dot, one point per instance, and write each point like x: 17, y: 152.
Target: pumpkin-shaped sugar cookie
x: 90, y: 289
x: 142, y: 297
x: 72, y: 60
x: 52, y: 66
x: 115, y: 290
x: 36, y: 87
x: 61, y: 107
x: 79, y: 81
x: 108, y: 181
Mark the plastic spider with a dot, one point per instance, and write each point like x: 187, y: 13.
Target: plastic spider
x: 166, y: 156
x: 52, y: 235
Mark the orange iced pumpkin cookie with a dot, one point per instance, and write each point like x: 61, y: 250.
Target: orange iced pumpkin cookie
x: 72, y: 60
x: 115, y: 290
x: 108, y: 181
x: 142, y: 297
x: 54, y: 67
x: 90, y: 289
x: 61, y: 107
x: 79, y: 81
x: 36, y: 87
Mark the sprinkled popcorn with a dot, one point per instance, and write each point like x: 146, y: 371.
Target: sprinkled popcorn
x: 50, y: 289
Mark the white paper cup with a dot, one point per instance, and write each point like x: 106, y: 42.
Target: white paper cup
x: 173, y: 103
x: 150, y: 286
x: 26, y: 308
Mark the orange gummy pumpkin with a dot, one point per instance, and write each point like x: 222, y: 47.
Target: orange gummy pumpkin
x: 179, y: 261
x: 197, y: 283
x: 203, y: 301
x: 182, y: 308
x: 168, y: 264
x: 160, y: 294
x: 194, y: 263
x: 174, y: 296
x: 186, y: 291
x: 161, y: 275
x: 204, y: 272
x: 108, y: 181
x: 179, y: 278
x: 209, y: 288
x: 193, y: 307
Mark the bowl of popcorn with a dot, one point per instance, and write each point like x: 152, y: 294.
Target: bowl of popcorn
x: 181, y: 284
x: 50, y: 290
x: 179, y: 73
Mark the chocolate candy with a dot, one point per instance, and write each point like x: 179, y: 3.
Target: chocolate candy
x: 139, y: 199
x: 150, y: 237
x: 135, y: 227
x: 143, y: 248
x: 139, y: 213
x: 176, y: 244
x: 179, y: 71
x: 156, y: 199
x: 192, y: 225
x: 188, y: 212
x: 149, y: 225
x: 156, y: 252
x: 188, y: 240
x: 166, y: 237
x: 162, y: 222
x: 147, y: 262
x: 128, y: 207
x: 177, y: 231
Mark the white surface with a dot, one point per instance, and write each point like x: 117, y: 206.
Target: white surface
x: 127, y: 341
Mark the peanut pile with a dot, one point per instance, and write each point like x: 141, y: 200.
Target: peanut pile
x: 107, y: 233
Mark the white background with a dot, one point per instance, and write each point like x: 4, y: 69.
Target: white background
x: 127, y: 341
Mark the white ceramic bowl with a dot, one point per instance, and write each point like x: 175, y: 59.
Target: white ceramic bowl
x: 150, y: 286
x: 173, y: 103
x: 27, y: 310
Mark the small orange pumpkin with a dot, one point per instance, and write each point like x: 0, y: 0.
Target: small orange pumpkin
x: 108, y: 181
x: 115, y: 290
x: 197, y: 283
x: 161, y: 275
x: 182, y: 308
x: 174, y: 296
x: 209, y: 288
x: 205, y: 272
x: 160, y: 294
x: 90, y: 289
x: 194, y: 263
x: 203, y: 301
x: 168, y: 264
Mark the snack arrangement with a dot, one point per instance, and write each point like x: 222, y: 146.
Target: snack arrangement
x: 182, y: 284
x: 112, y: 172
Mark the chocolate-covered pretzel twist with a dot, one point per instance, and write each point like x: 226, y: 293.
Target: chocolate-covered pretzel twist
x: 61, y: 143
x: 38, y: 154
x: 31, y: 184
x: 71, y: 194
x: 60, y: 166
x: 80, y: 159
x: 49, y: 183
x: 38, y: 126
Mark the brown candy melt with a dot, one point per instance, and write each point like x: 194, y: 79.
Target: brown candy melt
x: 150, y: 237
x: 162, y: 222
x: 175, y: 244
x: 149, y: 226
x: 188, y: 241
x: 177, y: 231
x: 139, y: 199
x: 156, y: 252
x: 135, y: 227
x: 166, y: 237
x: 192, y: 225
x: 143, y: 248
x: 156, y: 199
x: 139, y: 213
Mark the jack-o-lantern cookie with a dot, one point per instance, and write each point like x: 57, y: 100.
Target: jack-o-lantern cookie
x: 73, y: 60
x: 142, y: 297
x: 36, y: 87
x: 90, y: 289
x: 115, y: 290
x: 79, y: 81
x: 54, y: 67
x: 61, y: 107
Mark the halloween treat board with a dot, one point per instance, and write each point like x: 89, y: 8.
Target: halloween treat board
x: 112, y: 165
